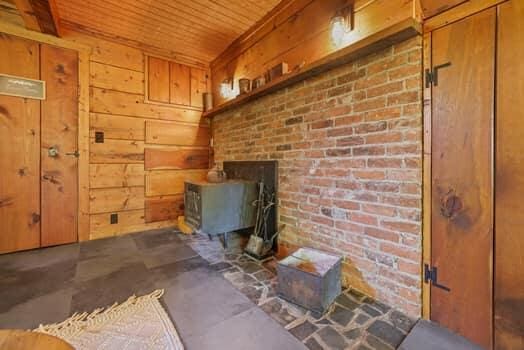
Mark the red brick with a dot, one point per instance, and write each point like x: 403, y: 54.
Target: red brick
x: 401, y: 226
x: 369, y: 175
x: 385, y: 89
x: 382, y: 234
x: 379, y: 210
x: 349, y: 205
x: 385, y: 163
x: 350, y: 166
x: 348, y: 120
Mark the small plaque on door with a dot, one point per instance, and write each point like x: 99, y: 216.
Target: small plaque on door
x: 22, y: 87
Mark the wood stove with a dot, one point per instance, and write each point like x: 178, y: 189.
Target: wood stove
x: 218, y: 208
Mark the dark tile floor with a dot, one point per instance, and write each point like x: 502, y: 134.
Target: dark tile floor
x: 354, y: 321
x: 217, y: 299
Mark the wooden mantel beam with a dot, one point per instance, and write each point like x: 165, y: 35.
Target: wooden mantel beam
x: 39, y: 15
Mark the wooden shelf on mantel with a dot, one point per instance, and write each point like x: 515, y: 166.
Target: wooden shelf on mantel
x: 373, y: 43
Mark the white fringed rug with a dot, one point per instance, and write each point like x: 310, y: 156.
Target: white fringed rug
x: 138, y: 323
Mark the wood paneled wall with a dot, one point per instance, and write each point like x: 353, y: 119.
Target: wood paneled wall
x: 299, y: 34
x: 149, y: 149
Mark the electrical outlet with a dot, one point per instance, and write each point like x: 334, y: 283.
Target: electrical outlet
x: 99, y: 137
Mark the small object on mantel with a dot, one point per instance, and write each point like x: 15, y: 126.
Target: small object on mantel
x: 182, y: 226
x: 310, y: 278
x: 216, y: 175
x: 244, y: 85
x: 258, y: 82
x: 278, y: 71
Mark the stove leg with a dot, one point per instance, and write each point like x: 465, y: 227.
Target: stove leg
x: 223, y: 240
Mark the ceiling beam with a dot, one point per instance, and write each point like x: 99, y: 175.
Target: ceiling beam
x: 39, y: 15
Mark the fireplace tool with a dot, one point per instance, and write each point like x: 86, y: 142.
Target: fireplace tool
x: 260, y: 245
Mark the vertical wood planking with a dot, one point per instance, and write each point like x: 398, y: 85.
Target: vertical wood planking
x: 180, y: 84
x: 59, y: 123
x: 19, y: 151
x: 198, y: 87
x: 509, y: 180
x: 158, y: 79
x: 462, y: 163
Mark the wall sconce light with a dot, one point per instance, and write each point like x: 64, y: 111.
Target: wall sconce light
x: 341, y: 24
x: 226, y: 88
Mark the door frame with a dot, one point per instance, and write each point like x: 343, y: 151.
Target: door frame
x: 84, y: 53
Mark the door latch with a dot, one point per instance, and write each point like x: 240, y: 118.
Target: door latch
x: 74, y: 154
x: 432, y: 74
x: 430, y: 276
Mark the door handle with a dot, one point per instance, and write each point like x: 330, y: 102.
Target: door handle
x: 52, y: 152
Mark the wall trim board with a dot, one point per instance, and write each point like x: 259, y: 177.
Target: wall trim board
x: 83, y: 115
x: 426, y: 178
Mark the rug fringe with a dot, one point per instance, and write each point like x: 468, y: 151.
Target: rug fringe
x: 79, y: 321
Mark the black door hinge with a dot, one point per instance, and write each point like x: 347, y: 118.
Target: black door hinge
x: 430, y: 276
x: 432, y: 74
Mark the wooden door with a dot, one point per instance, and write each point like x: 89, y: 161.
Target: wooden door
x: 38, y: 192
x: 59, y: 68
x: 509, y: 180
x: 19, y: 151
x: 462, y: 163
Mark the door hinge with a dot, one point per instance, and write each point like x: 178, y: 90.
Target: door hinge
x: 430, y: 276
x: 432, y: 74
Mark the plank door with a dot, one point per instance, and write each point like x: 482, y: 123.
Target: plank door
x: 462, y: 163
x: 59, y: 68
x: 509, y: 180
x: 19, y: 151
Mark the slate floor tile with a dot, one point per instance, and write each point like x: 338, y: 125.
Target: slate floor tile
x: 38, y: 258
x: 156, y: 238
x: 332, y: 338
x: 303, y: 330
x: 116, y: 286
x: 377, y: 344
x: 106, y: 247
x: 347, y: 302
x: 43, y: 309
x: 88, y: 269
x: 386, y: 332
x: 312, y: 344
x: 341, y: 316
x: 240, y: 333
x: 164, y: 274
x: 167, y: 254
x: 199, y: 300
x: 370, y: 311
x: 361, y: 319
x: 401, y: 321
x: 19, y: 286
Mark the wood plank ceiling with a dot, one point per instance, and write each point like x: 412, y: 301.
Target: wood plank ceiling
x: 199, y: 29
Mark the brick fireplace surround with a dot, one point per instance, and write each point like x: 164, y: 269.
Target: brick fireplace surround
x: 349, y: 146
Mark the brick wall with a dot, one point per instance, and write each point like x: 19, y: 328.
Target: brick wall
x: 349, y: 145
